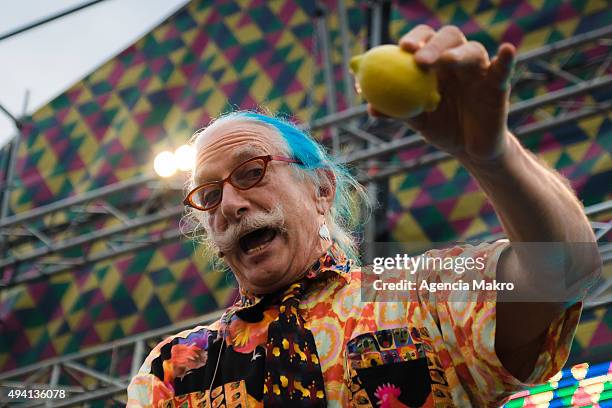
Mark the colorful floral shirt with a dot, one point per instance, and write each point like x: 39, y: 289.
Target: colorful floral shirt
x: 425, y: 353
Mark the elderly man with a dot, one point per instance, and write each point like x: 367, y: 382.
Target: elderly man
x: 276, y: 210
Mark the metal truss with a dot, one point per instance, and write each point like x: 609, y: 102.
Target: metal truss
x: 104, y: 372
x: 144, y: 212
x: 80, y: 373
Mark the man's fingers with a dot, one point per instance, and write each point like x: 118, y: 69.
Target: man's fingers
x: 469, y: 55
x: 447, y: 37
x: 500, y: 71
x: 416, y: 38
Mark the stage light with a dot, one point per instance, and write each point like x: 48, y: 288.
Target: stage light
x: 184, y: 157
x: 165, y: 164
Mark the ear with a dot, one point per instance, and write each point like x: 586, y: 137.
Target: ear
x: 326, y: 191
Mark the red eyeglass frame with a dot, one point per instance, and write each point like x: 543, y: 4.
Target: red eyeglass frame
x: 188, y: 201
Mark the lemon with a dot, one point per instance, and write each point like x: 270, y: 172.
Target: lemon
x: 390, y: 80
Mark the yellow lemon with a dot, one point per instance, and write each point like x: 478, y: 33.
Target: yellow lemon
x: 389, y: 79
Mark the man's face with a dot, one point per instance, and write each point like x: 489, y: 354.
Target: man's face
x: 274, y: 256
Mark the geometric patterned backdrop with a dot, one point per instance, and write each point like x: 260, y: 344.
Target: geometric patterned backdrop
x: 207, y: 59
x: 442, y: 202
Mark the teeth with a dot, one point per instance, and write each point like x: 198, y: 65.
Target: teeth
x: 258, y: 248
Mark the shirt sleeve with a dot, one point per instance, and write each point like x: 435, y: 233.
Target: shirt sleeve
x: 468, y: 332
x: 146, y: 389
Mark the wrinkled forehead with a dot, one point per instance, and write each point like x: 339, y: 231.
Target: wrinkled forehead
x: 228, y: 143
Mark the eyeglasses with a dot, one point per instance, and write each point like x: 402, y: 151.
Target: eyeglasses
x: 246, y: 175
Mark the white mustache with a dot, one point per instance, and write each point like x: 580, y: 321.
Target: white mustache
x: 227, y: 241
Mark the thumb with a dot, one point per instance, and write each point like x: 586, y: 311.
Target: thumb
x: 502, y: 66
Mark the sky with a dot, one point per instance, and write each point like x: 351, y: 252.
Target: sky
x: 48, y: 59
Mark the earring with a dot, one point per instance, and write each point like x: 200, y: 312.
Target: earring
x: 324, y: 231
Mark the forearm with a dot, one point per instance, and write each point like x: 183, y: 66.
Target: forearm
x: 533, y: 202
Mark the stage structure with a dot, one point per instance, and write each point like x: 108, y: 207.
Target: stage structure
x: 95, y: 266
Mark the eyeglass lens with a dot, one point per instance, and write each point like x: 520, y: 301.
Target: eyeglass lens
x: 243, y: 177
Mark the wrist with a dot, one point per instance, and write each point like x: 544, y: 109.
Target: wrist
x: 509, y: 150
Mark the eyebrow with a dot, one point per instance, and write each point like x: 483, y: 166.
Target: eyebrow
x: 238, y: 156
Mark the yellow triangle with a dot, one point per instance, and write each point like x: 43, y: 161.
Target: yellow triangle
x: 591, y: 125
x: 604, y: 163
x: 446, y: 13
x: 395, y: 182
x: 176, y: 79
x: 229, y: 76
x: 155, y: 84
x: 407, y: 197
x: 594, y: 6
x: 298, y: 52
x: 248, y: 33
x: 485, y: 18
x: 103, y: 72
x: 47, y: 162
x: 143, y: 292
x: 142, y: 106
x: 131, y: 76
x: 76, y: 176
x: 537, y: 4
x: 189, y: 36
x: 104, y: 329
x: 568, y: 27
x: 535, y: 38
x: 34, y: 334
x: 177, y: 56
x: 90, y: 283
x: 177, y: 268
x: 109, y: 283
x: 276, y: 6
x: 224, y: 296
x: 300, y: 17
x: 173, y: 310
x: 497, y: 30
x: 70, y: 297
x: 200, y: 15
x: 164, y: 292
x: 129, y: 133
x: 125, y: 174
x: 449, y: 168
x: 470, y: 6
x: 127, y: 323
x: 293, y: 100
x: 75, y: 318
x: 578, y: 150
x: 60, y: 342
x: 161, y: 31
x: 85, y: 95
x: 252, y: 68
x: 468, y: 205
x: 408, y: 230
x: 585, y: 331
x: 215, y: 103
x: 158, y: 261
x: 476, y: 227
x: 53, y: 326
x: 24, y: 299
x: 261, y: 87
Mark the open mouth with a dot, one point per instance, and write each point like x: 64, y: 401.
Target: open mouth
x: 257, y: 240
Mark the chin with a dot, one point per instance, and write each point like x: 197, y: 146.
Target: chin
x: 265, y: 279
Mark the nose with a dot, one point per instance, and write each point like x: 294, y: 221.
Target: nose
x: 233, y: 203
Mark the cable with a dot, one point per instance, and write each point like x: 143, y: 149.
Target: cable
x: 48, y: 19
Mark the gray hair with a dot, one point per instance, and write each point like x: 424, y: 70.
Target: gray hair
x: 350, y: 206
